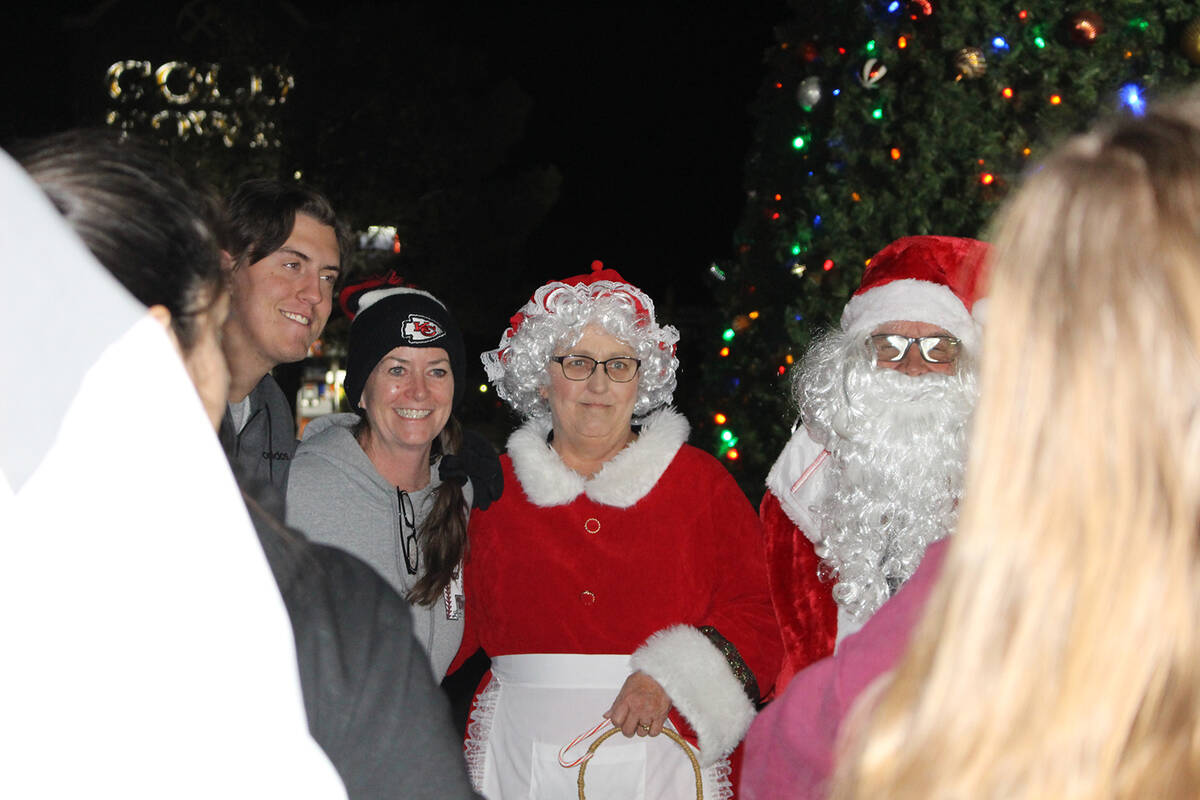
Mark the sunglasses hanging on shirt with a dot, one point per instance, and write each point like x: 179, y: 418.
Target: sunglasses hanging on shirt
x: 409, y: 545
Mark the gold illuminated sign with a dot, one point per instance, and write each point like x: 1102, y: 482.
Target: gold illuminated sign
x: 198, y: 100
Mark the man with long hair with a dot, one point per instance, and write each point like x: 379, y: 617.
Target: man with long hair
x: 873, y: 474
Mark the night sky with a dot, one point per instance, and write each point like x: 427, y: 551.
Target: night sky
x: 643, y: 107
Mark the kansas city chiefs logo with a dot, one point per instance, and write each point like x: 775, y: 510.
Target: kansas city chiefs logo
x: 421, y: 329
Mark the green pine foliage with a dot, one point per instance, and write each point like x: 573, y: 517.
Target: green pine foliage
x: 850, y: 154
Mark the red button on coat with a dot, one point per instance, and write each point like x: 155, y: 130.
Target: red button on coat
x: 592, y: 525
x: 587, y: 598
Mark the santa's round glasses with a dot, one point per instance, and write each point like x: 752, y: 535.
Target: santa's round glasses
x: 622, y: 369
x: 934, y: 349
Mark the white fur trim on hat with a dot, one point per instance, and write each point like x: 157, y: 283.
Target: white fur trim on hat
x: 697, y: 678
x: 370, y: 298
x: 915, y: 301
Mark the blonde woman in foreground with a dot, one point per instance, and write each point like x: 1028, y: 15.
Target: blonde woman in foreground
x: 1058, y: 657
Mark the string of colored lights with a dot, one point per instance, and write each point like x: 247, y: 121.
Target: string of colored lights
x: 1006, y: 57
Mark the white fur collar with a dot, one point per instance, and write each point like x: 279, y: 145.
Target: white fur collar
x: 623, y: 481
x: 799, y: 479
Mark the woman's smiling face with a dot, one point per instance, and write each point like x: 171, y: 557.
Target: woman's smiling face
x: 408, y: 397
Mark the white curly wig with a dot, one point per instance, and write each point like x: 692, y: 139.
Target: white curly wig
x: 556, y: 316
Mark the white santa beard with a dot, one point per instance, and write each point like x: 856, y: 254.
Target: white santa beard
x: 898, y: 451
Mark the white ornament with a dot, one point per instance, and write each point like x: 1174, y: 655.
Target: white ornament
x: 871, y: 74
x: 808, y: 94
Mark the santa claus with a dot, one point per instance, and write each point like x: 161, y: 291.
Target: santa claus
x: 873, y: 471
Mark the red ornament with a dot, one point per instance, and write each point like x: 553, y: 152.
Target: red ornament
x: 1085, y: 28
x: 809, y: 52
x: 918, y: 9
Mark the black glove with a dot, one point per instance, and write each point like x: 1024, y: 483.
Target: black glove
x: 476, y: 459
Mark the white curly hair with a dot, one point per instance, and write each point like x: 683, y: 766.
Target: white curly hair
x: 556, y: 316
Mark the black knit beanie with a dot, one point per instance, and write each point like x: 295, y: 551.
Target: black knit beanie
x: 384, y: 317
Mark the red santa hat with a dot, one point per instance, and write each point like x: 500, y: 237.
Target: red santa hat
x: 598, y: 272
x: 934, y: 279
x: 600, y: 282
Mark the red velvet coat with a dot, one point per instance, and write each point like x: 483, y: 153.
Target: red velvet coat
x: 804, y: 604
x: 662, y: 538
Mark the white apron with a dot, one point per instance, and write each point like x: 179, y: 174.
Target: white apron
x: 538, y: 703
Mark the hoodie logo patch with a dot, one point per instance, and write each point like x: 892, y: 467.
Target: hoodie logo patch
x: 421, y: 329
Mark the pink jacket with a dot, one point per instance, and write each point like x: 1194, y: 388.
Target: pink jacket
x: 789, y: 749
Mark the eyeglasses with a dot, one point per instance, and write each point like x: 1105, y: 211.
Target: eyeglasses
x: 408, y: 533
x: 934, y: 349
x: 622, y: 369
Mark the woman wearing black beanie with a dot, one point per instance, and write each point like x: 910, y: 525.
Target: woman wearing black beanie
x: 393, y: 482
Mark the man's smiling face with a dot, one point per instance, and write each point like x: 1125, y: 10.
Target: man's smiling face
x: 281, y: 302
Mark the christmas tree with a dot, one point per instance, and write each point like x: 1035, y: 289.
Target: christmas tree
x: 891, y: 118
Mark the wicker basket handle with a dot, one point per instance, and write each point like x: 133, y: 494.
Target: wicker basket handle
x: 678, y: 740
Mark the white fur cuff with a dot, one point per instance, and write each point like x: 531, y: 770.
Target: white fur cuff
x: 701, y: 685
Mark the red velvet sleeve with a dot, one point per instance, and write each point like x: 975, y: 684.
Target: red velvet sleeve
x: 804, y: 605
x: 740, y: 609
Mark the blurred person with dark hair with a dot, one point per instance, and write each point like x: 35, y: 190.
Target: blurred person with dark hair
x: 363, y: 676
x: 124, y: 672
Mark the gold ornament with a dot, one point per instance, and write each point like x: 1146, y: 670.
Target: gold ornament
x: 1086, y: 27
x: 970, y: 63
x: 1189, y: 42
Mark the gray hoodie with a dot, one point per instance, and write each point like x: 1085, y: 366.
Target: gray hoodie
x: 261, y: 451
x: 336, y: 496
